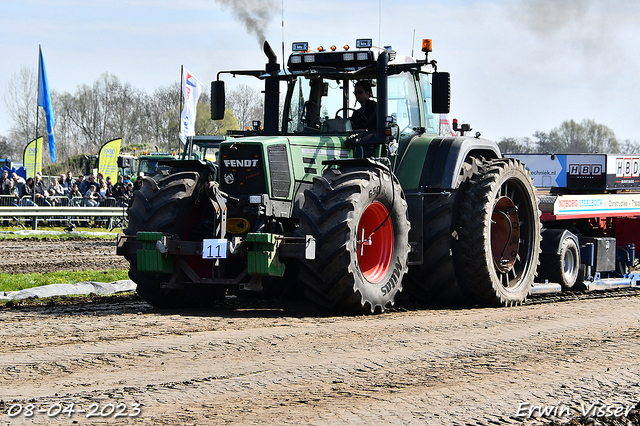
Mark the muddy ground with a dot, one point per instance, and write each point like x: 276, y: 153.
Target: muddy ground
x: 119, y: 361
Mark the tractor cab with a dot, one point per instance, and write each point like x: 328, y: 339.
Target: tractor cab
x: 321, y: 101
x: 321, y: 93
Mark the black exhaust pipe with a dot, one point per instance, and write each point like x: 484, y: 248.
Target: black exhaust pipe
x: 271, y: 93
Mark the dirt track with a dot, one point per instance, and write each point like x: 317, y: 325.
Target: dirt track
x: 273, y: 363
x: 259, y: 364
x: 25, y: 256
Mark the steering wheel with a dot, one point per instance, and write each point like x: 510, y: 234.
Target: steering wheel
x: 348, y: 109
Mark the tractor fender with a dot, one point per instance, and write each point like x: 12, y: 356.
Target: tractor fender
x: 440, y: 160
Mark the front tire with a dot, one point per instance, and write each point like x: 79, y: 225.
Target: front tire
x: 173, y: 204
x: 360, y: 222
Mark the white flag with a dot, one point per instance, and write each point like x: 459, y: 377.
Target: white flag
x: 191, y: 87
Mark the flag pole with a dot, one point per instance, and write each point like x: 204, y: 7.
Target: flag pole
x: 181, y: 106
x: 35, y: 158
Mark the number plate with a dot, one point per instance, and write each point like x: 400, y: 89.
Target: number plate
x: 214, y: 249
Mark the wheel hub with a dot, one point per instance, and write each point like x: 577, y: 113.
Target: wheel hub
x: 375, y: 242
x: 505, y: 234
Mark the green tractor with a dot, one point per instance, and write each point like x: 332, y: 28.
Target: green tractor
x: 347, y: 213
x: 200, y: 147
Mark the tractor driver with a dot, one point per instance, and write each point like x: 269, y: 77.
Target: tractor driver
x: 365, y: 116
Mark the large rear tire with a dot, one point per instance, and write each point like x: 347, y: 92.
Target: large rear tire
x: 360, y: 222
x: 499, y: 234
x: 435, y: 281
x: 170, y: 204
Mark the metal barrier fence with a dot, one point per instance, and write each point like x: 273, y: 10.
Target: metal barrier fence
x: 70, y: 211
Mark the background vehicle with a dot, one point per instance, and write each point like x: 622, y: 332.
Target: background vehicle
x: 347, y: 216
x: 148, y: 162
x: 200, y: 147
x: 590, y: 207
x: 127, y: 165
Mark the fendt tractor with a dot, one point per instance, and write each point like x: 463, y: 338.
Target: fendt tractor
x: 345, y: 213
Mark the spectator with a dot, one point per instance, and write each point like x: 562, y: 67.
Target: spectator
x: 69, y: 181
x: 55, y: 192
x: 75, y: 196
x: 91, y: 180
x: 18, y: 180
x: 26, y: 194
x: 52, y: 199
x: 102, y: 190
x: 63, y: 182
x: 109, y: 187
x: 39, y: 193
x: 128, y: 192
x: 56, y: 186
x: 74, y: 192
x: 90, y: 197
x: 82, y: 184
x: 139, y: 182
x: 119, y: 188
x: 3, y: 180
x: 11, y: 196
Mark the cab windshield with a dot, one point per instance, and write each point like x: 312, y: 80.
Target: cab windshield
x: 318, y: 104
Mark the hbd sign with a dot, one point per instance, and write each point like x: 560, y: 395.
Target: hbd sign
x: 627, y: 167
x: 585, y: 169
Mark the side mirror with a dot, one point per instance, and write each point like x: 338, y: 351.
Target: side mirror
x: 125, y: 162
x: 217, y: 100
x: 440, y: 93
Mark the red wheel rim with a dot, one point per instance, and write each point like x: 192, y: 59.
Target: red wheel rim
x: 374, y: 251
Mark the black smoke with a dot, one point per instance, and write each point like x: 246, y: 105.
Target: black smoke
x: 254, y: 14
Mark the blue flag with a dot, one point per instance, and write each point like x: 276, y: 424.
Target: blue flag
x: 44, y: 100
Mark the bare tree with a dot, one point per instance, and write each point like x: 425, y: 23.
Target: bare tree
x: 247, y: 105
x: 629, y: 147
x: 20, y: 99
x: 516, y: 145
x: 162, y: 114
x: 9, y: 150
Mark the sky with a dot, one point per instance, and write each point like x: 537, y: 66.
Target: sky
x: 517, y: 66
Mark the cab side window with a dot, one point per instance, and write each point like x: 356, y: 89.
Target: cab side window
x: 431, y: 123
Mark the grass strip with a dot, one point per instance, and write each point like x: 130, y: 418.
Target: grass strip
x: 15, y: 282
x: 59, y: 234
